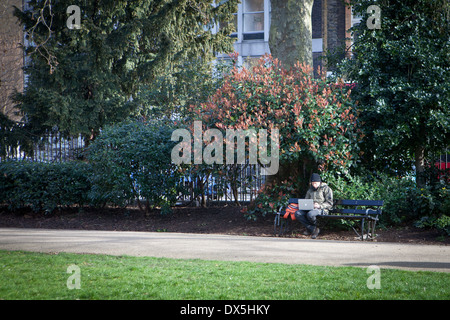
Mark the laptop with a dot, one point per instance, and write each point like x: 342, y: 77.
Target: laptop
x: 305, y: 204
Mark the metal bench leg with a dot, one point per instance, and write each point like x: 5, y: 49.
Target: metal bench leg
x: 277, y: 224
x: 280, y: 225
x: 362, y: 229
x: 284, y: 225
x: 356, y: 231
x: 373, y: 223
x: 370, y: 233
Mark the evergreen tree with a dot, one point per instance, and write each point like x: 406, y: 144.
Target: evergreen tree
x: 83, y: 77
x: 401, y: 67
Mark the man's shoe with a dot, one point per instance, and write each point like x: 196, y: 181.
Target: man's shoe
x: 306, y: 232
x: 315, y: 233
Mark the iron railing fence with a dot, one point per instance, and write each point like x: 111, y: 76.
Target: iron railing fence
x: 240, y: 185
x: 51, y: 147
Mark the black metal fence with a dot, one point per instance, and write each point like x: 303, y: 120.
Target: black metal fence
x: 242, y: 187
x: 51, y: 148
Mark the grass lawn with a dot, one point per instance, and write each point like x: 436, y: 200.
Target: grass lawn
x: 26, y: 275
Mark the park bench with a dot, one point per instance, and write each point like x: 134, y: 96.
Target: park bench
x: 367, y: 211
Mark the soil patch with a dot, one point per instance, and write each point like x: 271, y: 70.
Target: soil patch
x: 213, y: 220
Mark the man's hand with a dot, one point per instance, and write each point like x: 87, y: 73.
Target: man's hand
x: 316, y: 205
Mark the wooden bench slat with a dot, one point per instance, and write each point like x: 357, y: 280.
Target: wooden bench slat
x: 350, y: 217
x: 377, y: 203
x: 356, y: 211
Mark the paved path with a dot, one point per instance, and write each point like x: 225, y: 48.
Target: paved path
x: 232, y: 248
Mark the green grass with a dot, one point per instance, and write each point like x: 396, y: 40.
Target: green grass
x: 25, y: 275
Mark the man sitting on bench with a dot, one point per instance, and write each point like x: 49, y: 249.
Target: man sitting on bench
x: 322, y: 196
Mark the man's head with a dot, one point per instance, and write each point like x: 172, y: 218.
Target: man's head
x: 315, y: 181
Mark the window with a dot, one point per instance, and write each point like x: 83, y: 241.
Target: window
x: 253, y: 19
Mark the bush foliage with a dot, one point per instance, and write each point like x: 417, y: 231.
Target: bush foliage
x: 404, y: 201
x: 127, y: 162
x: 118, y: 174
x: 133, y: 161
x: 314, y: 118
x: 44, y: 186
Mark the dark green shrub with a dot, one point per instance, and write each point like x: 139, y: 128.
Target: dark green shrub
x: 441, y: 223
x: 44, y: 186
x: 404, y: 202
x: 133, y: 161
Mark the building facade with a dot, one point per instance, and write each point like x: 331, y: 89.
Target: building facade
x: 330, y: 21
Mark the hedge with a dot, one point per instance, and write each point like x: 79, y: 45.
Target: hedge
x: 44, y: 186
x: 127, y: 162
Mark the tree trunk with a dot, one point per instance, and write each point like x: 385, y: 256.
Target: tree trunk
x: 290, y: 41
x: 298, y: 171
x: 420, y: 166
x: 324, y: 31
x: 290, y: 38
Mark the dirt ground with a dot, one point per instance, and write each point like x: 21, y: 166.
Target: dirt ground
x: 213, y: 220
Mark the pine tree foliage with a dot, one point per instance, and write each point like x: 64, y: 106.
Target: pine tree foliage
x: 81, y: 79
